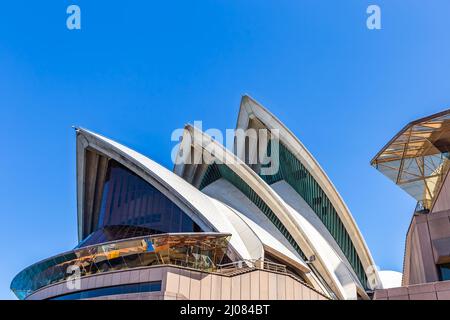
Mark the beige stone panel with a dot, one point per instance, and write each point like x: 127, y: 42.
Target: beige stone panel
x: 156, y: 274
x: 404, y: 297
x: 439, y: 228
x: 264, y: 285
x: 442, y: 286
x: 314, y: 295
x: 151, y: 296
x: 306, y: 293
x: 236, y: 288
x: 172, y: 281
x: 194, y: 293
x: 134, y: 276
x: 226, y: 288
x: 298, y: 294
x: 281, y: 287
x: 254, y: 285
x: 205, y: 287
x: 125, y: 277
x: 99, y: 281
x: 400, y: 291
x: 245, y: 286
x: 90, y: 282
x: 443, y: 295
x: 216, y: 287
x: 57, y: 290
x: 116, y: 278
x: 423, y: 296
x: 50, y: 291
x: 107, y: 279
x: 273, y: 290
x: 426, y: 250
x: 380, y: 294
x: 321, y: 297
x: 417, y: 273
x: 42, y: 294
x: 289, y: 288
x: 144, y: 274
x: 421, y: 288
x: 185, y: 283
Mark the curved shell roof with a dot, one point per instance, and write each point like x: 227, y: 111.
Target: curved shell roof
x: 251, y: 109
x: 212, y: 212
x: 328, y: 262
x: 246, y: 240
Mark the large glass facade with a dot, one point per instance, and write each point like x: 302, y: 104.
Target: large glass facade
x: 128, y: 200
x: 201, y: 251
x: 112, y: 290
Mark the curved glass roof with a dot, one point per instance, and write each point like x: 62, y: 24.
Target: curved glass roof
x: 194, y: 250
x: 416, y: 159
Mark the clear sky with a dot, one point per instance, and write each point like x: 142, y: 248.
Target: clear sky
x: 137, y: 70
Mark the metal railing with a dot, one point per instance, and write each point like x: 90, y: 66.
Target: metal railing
x: 245, y: 265
x: 272, y: 266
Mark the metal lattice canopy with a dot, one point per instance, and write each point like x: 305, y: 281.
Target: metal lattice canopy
x: 416, y: 159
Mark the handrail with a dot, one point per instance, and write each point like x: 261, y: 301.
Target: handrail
x: 252, y: 264
x: 269, y: 265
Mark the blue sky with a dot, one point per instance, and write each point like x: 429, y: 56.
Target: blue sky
x: 140, y: 69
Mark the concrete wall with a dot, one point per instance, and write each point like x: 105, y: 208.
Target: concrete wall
x: 183, y: 283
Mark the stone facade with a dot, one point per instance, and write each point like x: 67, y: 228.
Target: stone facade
x: 187, y: 284
x: 426, y: 291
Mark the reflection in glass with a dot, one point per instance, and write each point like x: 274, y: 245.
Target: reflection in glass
x: 193, y: 250
x: 130, y: 201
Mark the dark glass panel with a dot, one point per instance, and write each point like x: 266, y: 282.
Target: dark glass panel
x: 128, y: 200
x: 444, y: 272
x: 108, y: 291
